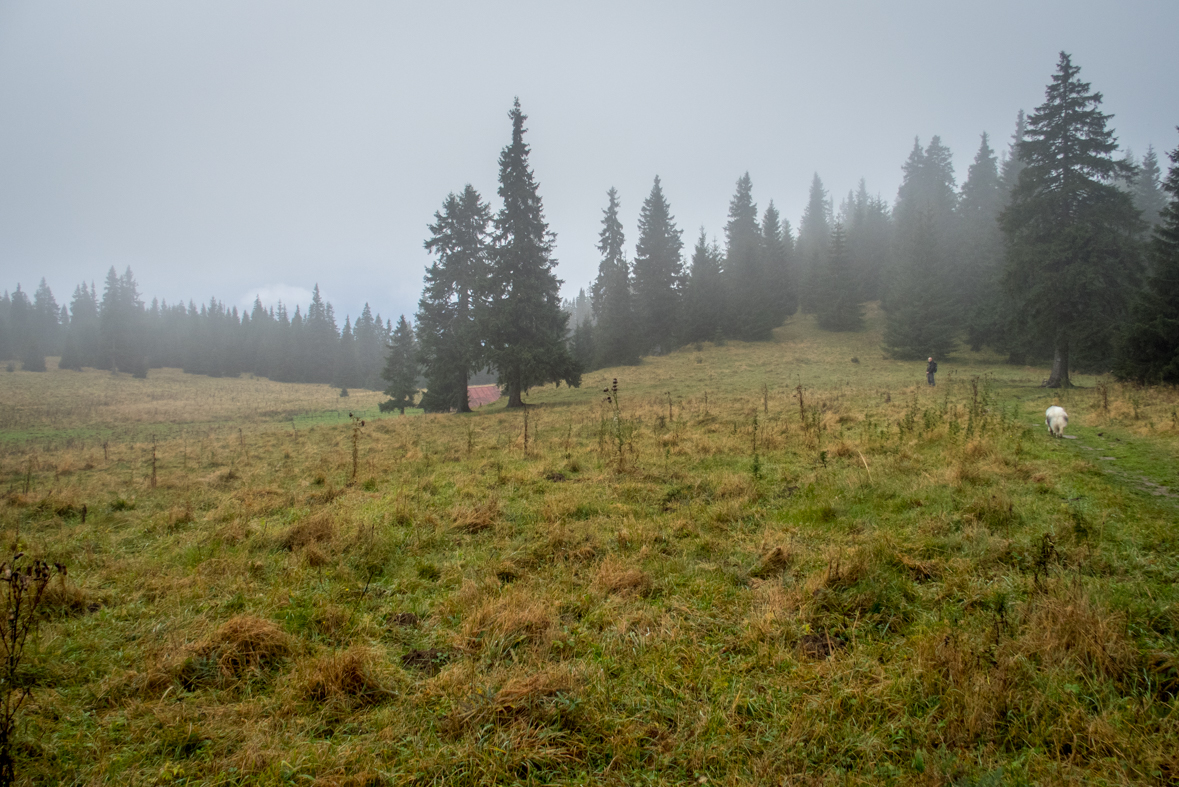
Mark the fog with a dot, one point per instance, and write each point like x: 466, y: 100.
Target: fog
x: 230, y: 149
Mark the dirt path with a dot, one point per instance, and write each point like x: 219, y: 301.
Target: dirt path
x: 1137, y: 462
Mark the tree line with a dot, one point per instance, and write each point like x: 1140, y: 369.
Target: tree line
x: 120, y: 332
x: 1055, y: 250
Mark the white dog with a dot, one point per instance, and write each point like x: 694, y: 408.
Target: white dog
x: 1057, y: 419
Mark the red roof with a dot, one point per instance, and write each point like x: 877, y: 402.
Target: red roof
x: 482, y: 394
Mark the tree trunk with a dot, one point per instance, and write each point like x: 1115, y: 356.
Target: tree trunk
x: 464, y: 405
x: 515, y: 391
x: 1059, y: 376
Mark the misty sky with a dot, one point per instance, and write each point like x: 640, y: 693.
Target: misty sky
x: 232, y: 148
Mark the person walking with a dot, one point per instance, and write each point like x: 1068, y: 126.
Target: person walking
x: 931, y: 370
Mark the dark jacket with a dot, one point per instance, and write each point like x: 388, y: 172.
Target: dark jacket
x: 932, y: 368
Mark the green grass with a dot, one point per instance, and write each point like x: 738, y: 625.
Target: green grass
x: 916, y: 586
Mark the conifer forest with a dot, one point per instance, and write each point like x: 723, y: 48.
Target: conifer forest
x: 1053, y: 247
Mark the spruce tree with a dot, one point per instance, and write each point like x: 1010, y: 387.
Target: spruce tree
x: 925, y: 206
x: 81, y: 345
x: 1072, y: 258
x: 1012, y: 165
x: 922, y: 321
x: 1147, y: 191
x: 320, y: 338
x: 704, y: 294
x: 401, y: 369
x: 45, y: 317
x: 120, y: 317
x: 980, y: 247
x: 1149, y: 349
x: 752, y: 311
x: 616, y: 333
x: 868, y: 222
x: 522, y: 321
x: 450, y: 350
x: 369, y: 348
x: 658, y: 274
x: 814, y: 232
x: 347, y: 363
x: 583, y: 350
x: 837, y: 304
x: 778, y: 262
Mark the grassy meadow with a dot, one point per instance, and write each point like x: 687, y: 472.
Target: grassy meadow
x: 779, y: 563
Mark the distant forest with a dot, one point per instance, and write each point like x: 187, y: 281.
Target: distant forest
x: 1055, y: 249
x: 118, y: 331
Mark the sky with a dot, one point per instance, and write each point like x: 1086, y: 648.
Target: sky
x: 237, y: 148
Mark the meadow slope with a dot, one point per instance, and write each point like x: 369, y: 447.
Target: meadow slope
x: 779, y: 563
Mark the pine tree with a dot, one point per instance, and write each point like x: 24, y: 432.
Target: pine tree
x: 450, y: 349
x: 522, y: 321
x: 615, y: 331
x: 837, y: 305
x: 704, y: 294
x: 401, y: 369
x: 1072, y: 258
x: 1149, y: 349
x: 658, y: 274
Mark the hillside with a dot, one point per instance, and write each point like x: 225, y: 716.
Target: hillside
x: 779, y: 563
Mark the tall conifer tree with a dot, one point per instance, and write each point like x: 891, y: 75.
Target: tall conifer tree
x: 448, y: 335
x: 778, y: 260
x: 616, y: 331
x: 658, y: 273
x: 814, y: 232
x: 704, y: 294
x: 1149, y: 349
x: 751, y: 313
x: 922, y: 320
x: 522, y: 323
x: 837, y: 306
x: 401, y: 369
x: 1072, y: 256
x: 1147, y: 190
x: 981, y: 248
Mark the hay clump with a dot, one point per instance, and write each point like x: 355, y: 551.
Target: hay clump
x: 616, y: 577
x: 1075, y: 629
x: 315, y: 529
x: 532, y: 698
x: 772, y: 564
x: 244, y: 644
x: 515, y: 618
x: 356, y: 677
x: 477, y: 518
